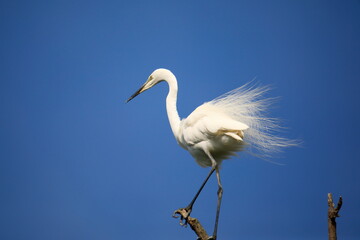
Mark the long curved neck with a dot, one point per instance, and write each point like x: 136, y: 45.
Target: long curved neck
x: 171, y: 109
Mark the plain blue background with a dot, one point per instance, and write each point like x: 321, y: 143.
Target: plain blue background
x: 79, y: 163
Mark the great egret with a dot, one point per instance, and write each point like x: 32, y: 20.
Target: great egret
x: 218, y: 129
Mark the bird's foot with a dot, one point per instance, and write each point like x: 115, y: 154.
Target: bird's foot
x: 209, y: 238
x: 184, y: 214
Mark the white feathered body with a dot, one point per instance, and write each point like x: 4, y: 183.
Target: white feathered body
x: 230, y: 123
x: 210, y: 128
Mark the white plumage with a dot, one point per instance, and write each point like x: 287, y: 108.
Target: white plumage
x: 219, y: 129
x: 210, y: 127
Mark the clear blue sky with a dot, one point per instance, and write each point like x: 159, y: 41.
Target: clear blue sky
x: 79, y: 163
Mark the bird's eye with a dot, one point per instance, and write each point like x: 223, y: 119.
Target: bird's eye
x: 150, y: 79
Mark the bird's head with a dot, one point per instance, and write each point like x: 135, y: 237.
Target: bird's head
x: 157, y: 76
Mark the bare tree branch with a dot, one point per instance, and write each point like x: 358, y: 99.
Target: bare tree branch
x: 194, y: 224
x: 333, y: 213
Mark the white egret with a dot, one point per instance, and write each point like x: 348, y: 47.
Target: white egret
x: 218, y: 129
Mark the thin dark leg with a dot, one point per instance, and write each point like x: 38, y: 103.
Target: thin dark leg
x: 199, y: 191
x: 188, y: 209
x: 219, y: 193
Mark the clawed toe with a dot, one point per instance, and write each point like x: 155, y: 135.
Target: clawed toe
x: 183, y: 213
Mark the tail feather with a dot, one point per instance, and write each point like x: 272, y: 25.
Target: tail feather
x: 248, y: 105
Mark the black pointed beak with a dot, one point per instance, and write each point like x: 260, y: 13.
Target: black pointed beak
x: 136, y: 93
